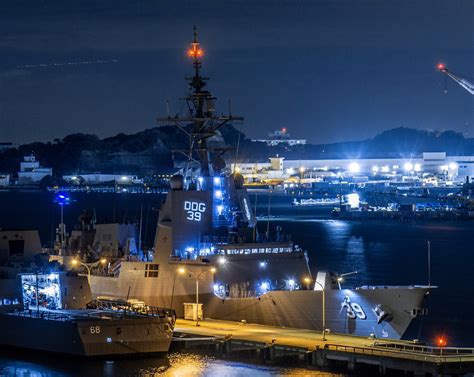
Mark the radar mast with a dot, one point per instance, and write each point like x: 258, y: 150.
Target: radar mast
x: 200, y: 123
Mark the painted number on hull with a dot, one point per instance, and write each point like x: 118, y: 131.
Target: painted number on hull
x: 194, y: 210
x: 353, y: 309
x: 94, y: 329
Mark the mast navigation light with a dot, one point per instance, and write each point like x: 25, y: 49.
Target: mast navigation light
x: 441, y: 67
x: 195, y: 51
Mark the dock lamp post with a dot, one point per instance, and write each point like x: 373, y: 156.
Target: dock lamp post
x: 62, y: 200
x: 324, y: 309
x: 76, y: 262
x: 182, y: 271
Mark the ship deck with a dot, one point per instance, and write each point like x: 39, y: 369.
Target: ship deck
x: 81, y: 315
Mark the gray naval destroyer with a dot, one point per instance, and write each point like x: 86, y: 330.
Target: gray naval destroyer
x: 207, y: 240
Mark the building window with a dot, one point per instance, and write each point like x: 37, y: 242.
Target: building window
x: 151, y: 270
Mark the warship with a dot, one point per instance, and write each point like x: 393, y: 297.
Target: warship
x: 209, y: 250
x: 44, y: 308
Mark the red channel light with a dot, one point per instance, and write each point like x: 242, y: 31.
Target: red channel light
x: 441, y: 341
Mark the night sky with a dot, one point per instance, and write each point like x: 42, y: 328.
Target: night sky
x: 327, y: 70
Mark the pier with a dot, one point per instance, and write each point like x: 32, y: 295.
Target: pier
x: 352, y: 354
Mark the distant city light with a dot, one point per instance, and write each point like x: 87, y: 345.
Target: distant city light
x: 302, y: 169
x: 218, y: 194
x: 375, y: 168
x: 217, y: 180
x: 290, y: 171
x: 408, y: 166
x: 444, y: 167
x: 453, y: 166
x: 264, y: 286
x: 222, y: 260
x: 385, y: 169
x: 263, y: 264
x: 354, y: 167
x: 353, y: 200
x: 124, y: 178
x: 417, y: 167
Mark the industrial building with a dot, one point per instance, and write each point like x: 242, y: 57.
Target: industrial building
x: 430, y: 167
x: 31, y: 171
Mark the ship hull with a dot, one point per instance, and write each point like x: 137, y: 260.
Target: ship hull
x: 355, y: 312
x: 89, y: 337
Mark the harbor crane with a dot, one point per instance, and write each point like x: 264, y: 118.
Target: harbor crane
x: 461, y: 81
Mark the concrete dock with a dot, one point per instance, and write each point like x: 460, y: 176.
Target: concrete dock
x: 351, y: 354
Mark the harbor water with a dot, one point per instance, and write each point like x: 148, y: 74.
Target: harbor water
x: 384, y: 253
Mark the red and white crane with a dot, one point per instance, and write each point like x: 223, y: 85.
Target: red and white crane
x: 463, y: 82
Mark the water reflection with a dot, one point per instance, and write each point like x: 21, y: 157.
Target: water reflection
x: 172, y: 365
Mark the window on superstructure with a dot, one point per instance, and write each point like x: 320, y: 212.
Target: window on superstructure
x: 151, y: 270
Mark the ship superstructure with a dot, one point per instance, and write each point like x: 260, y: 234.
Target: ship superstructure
x: 208, y: 245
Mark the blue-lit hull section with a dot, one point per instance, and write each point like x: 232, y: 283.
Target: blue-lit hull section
x: 297, y: 308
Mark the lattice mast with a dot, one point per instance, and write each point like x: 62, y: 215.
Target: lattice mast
x: 201, y: 122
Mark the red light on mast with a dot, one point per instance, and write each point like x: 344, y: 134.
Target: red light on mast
x: 441, y: 67
x: 195, y: 51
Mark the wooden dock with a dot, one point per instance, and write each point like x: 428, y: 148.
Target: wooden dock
x: 338, y: 352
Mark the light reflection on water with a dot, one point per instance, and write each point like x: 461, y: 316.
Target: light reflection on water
x: 172, y: 365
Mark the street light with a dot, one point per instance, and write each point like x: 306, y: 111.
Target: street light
x: 182, y: 271
x: 88, y: 266
x: 324, y: 309
x: 340, y: 277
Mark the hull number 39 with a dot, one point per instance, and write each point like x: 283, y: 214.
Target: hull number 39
x: 353, y: 309
x: 194, y: 210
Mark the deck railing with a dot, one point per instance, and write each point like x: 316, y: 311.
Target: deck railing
x: 99, y: 313
x: 424, y: 353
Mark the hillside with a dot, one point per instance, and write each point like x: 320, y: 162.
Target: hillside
x: 149, y: 151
